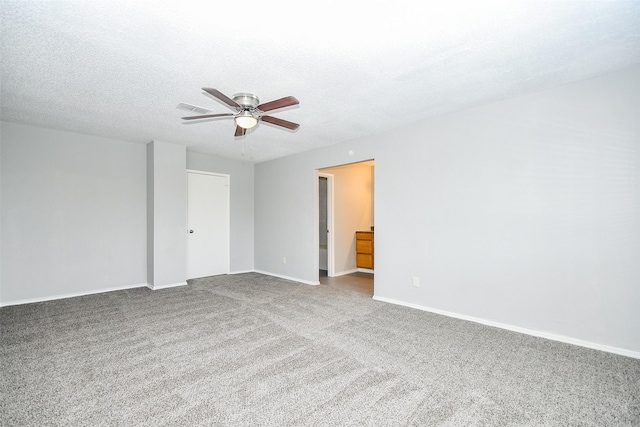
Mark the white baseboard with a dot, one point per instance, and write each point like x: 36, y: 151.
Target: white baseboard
x: 242, y: 272
x: 71, y: 295
x: 344, y: 273
x: 539, y: 334
x: 306, y: 282
x: 365, y: 270
x: 170, y: 285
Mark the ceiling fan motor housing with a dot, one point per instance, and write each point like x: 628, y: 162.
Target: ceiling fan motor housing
x: 247, y: 100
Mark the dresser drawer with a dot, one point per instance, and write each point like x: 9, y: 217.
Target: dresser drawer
x: 364, y: 249
x: 364, y: 261
x: 364, y: 246
x: 363, y: 235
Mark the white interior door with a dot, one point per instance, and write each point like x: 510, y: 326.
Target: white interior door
x: 208, y: 224
x: 330, y: 244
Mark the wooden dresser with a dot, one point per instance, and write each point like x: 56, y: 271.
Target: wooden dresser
x: 364, y: 249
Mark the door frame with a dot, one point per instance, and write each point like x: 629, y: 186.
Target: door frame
x: 228, y: 201
x: 330, y: 223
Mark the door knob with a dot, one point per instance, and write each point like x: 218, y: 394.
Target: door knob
x: 190, y: 231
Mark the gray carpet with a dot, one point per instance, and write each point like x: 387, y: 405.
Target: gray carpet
x: 251, y: 350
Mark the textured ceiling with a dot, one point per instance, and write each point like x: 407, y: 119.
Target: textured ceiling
x: 119, y: 68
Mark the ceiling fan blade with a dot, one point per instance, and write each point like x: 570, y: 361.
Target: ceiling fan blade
x: 280, y: 122
x: 207, y: 116
x: 240, y: 131
x: 222, y: 97
x: 278, y: 103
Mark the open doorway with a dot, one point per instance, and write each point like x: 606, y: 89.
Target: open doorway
x: 345, y: 218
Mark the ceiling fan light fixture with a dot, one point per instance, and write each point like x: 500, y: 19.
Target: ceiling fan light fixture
x: 245, y: 120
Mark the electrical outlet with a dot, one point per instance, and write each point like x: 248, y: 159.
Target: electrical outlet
x: 416, y: 282
x: 284, y: 259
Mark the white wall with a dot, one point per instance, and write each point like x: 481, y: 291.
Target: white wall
x: 73, y: 214
x: 524, y: 213
x: 241, y: 200
x: 167, y: 245
x: 1, y: 124
x: 353, y: 205
x: 150, y: 214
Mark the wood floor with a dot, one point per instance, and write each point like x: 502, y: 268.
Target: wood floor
x: 360, y: 282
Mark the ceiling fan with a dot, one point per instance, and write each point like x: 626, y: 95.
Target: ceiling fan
x: 248, y: 110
